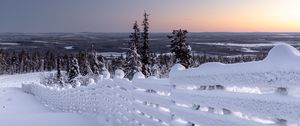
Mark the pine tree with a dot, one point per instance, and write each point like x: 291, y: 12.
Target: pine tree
x: 65, y: 63
x: 14, y: 63
x: 47, y: 61
x: 145, y: 49
x: 180, y: 48
x: 2, y: 62
x: 101, y: 64
x: 74, y: 70
x: 58, y: 74
x: 37, y: 61
x: 94, y: 63
x: 52, y: 62
x: 133, y: 59
x: 85, y: 67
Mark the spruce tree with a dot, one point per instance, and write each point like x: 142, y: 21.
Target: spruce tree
x: 145, y: 49
x: 37, y: 61
x: 101, y: 64
x: 58, y: 74
x: 86, y: 69
x: 84, y: 64
x: 65, y: 63
x: 14, y: 63
x: 74, y: 70
x: 96, y: 65
x: 180, y: 48
x: 133, y: 59
x: 3, y: 62
x: 47, y: 66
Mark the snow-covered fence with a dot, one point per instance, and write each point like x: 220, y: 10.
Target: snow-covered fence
x: 126, y: 102
x: 81, y: 99
x: 247, y: 94
x: 152, y: 101
x: 256, y: 93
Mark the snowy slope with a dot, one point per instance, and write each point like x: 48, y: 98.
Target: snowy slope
x: 198, y: 96
x: 279, y: 69
x: 281, y: 57
x: 17, y: 79
x: 21, y: 109
x: 18, y: 108
x: 265, y: 92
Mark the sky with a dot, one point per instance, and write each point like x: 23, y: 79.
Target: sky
x: 165, y: 15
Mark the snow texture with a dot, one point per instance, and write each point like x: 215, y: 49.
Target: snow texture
x: 258, y: 93
x: 21, y: 109
x: 262, y: 92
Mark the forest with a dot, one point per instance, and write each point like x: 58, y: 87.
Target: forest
x: 139, y: 58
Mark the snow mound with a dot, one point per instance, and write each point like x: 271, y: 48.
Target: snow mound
x: 282, y: 57
x: 119, y: 74
x: 282, y: 52
x: 106, y: 75
x: 138, y: 75
x: 176, y: 67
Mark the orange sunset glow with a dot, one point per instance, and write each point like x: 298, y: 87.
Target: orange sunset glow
x: 238, y: 16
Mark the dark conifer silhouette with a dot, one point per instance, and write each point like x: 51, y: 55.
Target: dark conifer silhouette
x: 180, y: 48
x: 145, y: 49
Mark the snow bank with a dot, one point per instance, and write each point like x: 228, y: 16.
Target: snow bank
x: 258, y: 93
x: 17, y: 79
x: 281, y: 57
x: 20, y: 109
x: 279, y: 69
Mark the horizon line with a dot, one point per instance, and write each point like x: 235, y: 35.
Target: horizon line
x: 152, y: 32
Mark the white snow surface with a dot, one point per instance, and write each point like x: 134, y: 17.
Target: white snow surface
x: 18, y: 108
x: 214, y: 94
x: 17, y: 79
x: 9, y: 44
x: 69, y: 47
x: 281, y: 57
x: 263, y: 92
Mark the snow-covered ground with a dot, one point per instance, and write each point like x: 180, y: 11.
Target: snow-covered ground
x: 260, y: 93
x: 21, y: 109
x: 17, y: 79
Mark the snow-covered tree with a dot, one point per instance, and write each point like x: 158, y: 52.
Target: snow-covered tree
x: 37, y: 61
x: 101, y: 64
x: 117, y: 63
x: 145, y: 49
x: 74, y: 71
x: 96, y: 62
x: 3, y: 62
x: 133, y: 59
x: 58, y: 74
x: 180, y: 48
x: 14, y: 63
x: 84, y: 64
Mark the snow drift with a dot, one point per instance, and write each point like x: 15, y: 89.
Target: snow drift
x: 265, y: 91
